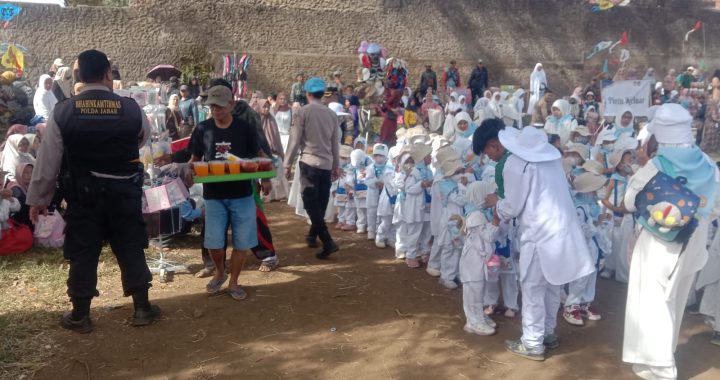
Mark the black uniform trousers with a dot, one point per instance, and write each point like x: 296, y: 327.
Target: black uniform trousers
x: 315, y: 195
x: 102, y: 210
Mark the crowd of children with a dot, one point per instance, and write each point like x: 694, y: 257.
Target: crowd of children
x: 425, y: 198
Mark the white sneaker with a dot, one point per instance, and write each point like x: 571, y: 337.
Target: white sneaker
x: 572, y: 315
x: 490, y: 322
x: 432, y: 272
x: 371, y: 235
x: 380, y: 244
x: 447, y: 284
x: 400, y: 255
x: 481, y: 329
x: 361, y: 231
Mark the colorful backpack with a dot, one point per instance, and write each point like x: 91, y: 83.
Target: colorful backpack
x: 666, y: 207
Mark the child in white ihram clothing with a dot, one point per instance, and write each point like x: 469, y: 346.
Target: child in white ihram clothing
x: 480, y: 236
x: 403, y: 167
x: 340, y: 194
x: 452, y: 197
x: 385, y: 234
x: 436, y: 210
x: 356, y: 207
x: 410, y: 204
x: 427, y: 177
x: 507, y: 253
x: 374, y: 180
x: 581, y: 292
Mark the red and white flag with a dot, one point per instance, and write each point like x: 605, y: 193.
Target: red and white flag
x: 697, y: 27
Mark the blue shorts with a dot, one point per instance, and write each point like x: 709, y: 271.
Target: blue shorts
x: 239, y: 213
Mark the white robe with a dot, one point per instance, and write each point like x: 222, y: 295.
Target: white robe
x: 537, y: 195
x: 479, y: 246
x: 538, y: 80
x: 284, y: 122
x: 660, y: 279
x: 295, y: 199
x: 709, y: 279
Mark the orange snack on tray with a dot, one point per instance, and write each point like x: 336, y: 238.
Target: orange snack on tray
x: 200, y: 169
x: 217, y: 167
x: 234, y: 167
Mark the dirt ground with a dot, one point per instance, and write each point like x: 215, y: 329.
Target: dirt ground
x: 360, y: 315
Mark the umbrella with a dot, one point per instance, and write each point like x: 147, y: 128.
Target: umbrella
x: 164, y: 72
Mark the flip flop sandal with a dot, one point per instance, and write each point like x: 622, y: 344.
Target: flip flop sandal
x: 270, y: 266
x: 215, y: 286
x: 238, y: 294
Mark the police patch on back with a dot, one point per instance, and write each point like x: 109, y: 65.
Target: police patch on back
x: 98, y: 108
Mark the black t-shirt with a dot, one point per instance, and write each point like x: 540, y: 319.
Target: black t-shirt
x: 210, y: 142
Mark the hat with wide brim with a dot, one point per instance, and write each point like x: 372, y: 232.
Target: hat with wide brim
x: 588, y: 182
x: 616, y: 158
x: 419, y: 151
x: 530, y: 144
x: 582, y: 131
x: 450, y: 167
x: 593, y: 166
x: 580, y: 149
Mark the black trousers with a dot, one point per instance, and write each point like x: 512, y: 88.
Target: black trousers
x: 102, y: 210
x: 315, y: 195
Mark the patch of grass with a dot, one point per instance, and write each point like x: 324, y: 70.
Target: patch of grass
x: 33, y: 293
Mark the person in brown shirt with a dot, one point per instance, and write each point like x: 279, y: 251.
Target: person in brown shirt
x: 542, y: 109
x: 316, y: 136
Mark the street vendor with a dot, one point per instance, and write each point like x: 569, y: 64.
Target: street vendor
x: 227, y: 203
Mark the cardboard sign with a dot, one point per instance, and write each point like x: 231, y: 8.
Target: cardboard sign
x: 621, y: 95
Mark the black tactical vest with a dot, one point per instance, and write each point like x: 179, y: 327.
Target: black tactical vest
x: 100, y: 132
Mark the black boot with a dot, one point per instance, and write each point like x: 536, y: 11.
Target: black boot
x: 144, y: 317
x: 328, y: 249
x: 81, y: 325
x: 311, y: 241
x: 145, y: 313
x: 78, y: 319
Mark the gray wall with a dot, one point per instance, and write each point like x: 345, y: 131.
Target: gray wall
x: 319, y: 36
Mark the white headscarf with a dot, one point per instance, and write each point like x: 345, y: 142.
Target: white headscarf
x: 453, y: 104
x: 477, y: 192
x: 63, y: 78
x: 44, y: 100
x: 494, y: 106
x: 482, y: 103
x: 12, y: 157
x: 462, y: 116
x: 538, y: 80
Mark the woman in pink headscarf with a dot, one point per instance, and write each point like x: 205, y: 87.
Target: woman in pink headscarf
x: 428, y: 104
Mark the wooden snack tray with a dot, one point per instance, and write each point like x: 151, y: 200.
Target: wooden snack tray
x: 234, y: 177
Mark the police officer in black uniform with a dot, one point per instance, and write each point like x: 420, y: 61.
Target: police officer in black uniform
x: 92, y: 140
